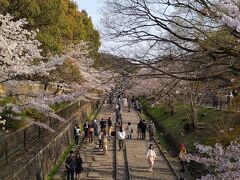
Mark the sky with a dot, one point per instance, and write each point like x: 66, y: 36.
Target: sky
x: 93, y: 9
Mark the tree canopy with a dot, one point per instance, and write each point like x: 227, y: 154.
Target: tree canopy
x: 60, y: 23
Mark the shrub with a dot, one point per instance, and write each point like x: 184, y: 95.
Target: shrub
x: 187, y: 127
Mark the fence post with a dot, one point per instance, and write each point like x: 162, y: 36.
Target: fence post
x: 6, y: 151
x: 24, y: 139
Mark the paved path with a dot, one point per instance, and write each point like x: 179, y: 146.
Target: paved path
x: 99, y: 166
x: 137, y: 151
x: 96, y: 165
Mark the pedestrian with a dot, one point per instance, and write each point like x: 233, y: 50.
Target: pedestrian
x: 97, y: 103
x: 139, y: 129
x: 104, y: 142
x: 129, y: 131
x: 182, y: 156
x: 151, y: 157
x: 85, y: 128
x: 129, y: 104
x: 143, y: 129
x: 100, y: 139
x: 76, y: 132
x: 90, y: 133
x: 78, y: 166
x: 151, y: 130
x: 103, y: 125
x: 133, y: 101
x: 121, y: 136
x: 109, y: 122
x: 70, y: 164
x: 95, y: 127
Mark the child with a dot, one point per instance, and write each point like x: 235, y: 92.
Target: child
x: 129, y: 131
x: 151, y: 156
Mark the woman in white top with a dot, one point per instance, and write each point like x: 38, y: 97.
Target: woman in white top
x: 151, y: 156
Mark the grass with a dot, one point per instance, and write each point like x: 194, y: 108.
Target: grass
x: 61, y: 159
x: 174, y: 124
x: 165, y: 144
x: 59, y: 106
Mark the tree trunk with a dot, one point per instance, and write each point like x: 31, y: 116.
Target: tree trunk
x: 193, y: 117
x: 171, y: 105
x: 193, y: 108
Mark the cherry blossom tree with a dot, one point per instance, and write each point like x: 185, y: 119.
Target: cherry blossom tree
x: 21, y: 62
x: 222, y: 162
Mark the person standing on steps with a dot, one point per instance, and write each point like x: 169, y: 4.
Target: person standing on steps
x: 85, y: 128
x: 78, y: 166
x: 100, y: 140
x: 121, y: 137
x: 182, y: 156
x: 90, y: 133
x: 76, y: 132
x: 144, y: 129
x: 103, y: 125
x: 139, y: 130
x: 129, y: 104
x: 95, y: 127
x: 129, y: 131
x: 109, y: 122
x: 70, y: 165
x: 104, y: 142
x: 151, y: 130
x: 151, y: 157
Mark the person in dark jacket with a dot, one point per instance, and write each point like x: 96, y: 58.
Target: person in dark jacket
x: 95, y: 126
x: 85, y: 128
x: 144, y: 129
x: 70, y: 164
x: 103, y: 125
x: 78, y: 166
x: 77, y: 132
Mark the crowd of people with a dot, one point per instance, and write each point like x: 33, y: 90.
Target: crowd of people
x: 102, y: 131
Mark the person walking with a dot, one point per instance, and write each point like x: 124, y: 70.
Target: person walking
x: 109, y: 122
x: 78, y: 166
x: 85, y: 128
x: 70, y: 164
x: 151, y: 130
x: 104, y: 142
x: 182, y: 156
x: 103, y: 125
x: 129, y: 131
x: 139, y: 130
x: 100, y: 139
x: 129, y: 104
x: 90, y: 133
x: 95, y: 127
x: 143, y: 129
x: 121, y: 136
x: 76, y: 133
x: 151, y: 157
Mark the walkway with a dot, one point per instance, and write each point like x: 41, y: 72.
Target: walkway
x: 137, y: 150
x: 99, y: 166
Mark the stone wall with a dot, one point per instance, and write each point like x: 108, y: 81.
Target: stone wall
x: 37, y: 162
